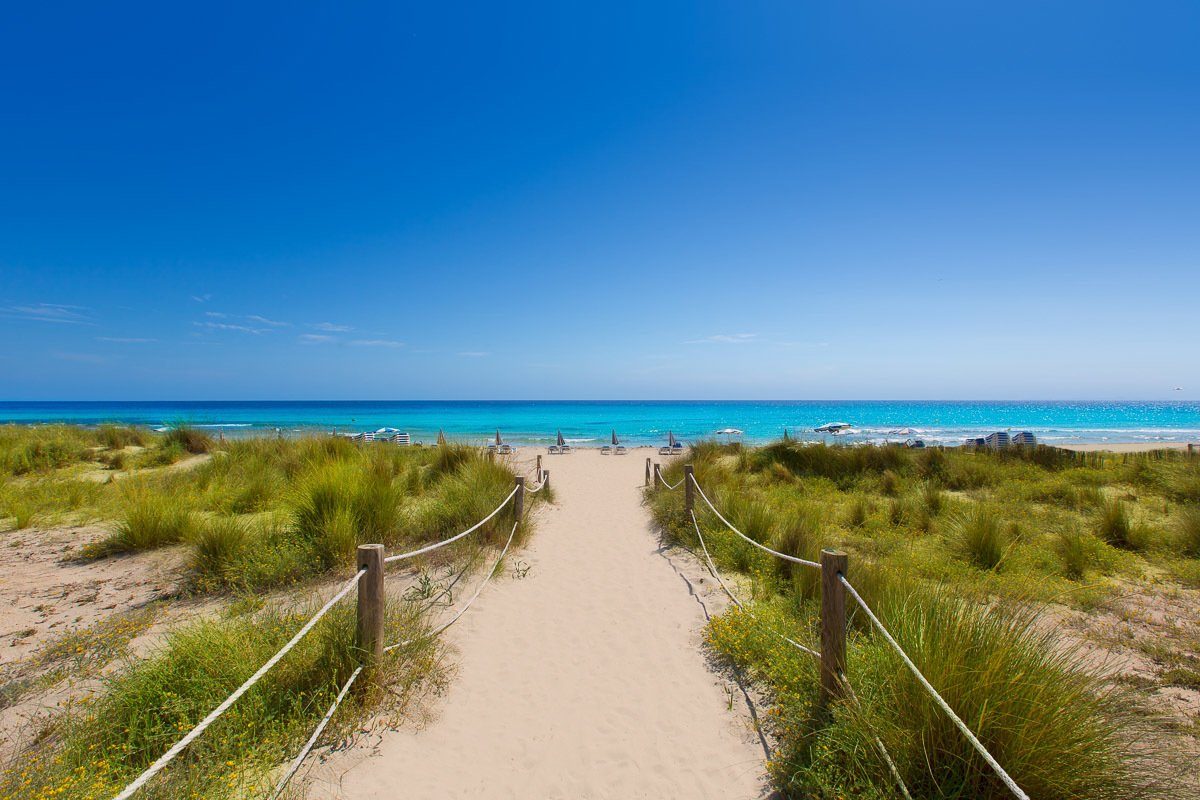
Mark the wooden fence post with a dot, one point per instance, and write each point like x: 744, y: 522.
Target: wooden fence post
x: 519, y: 500
x: 656, y: 476
x: 538, y: 473
x: 371, y: 602
x: 1191, y: 449
x: 648, y: 470
x: 689, y: 499
x: 545, y: 477
x: 833, y: 624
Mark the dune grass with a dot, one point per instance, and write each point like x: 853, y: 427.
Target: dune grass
x: 258, y: 514
x: 957, y: 552
x: 98, y: 745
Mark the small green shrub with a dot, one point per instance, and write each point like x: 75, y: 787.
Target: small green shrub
x: 889, y: 483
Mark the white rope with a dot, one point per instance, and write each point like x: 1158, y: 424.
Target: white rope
x: 535, y: 489
x: 452, y: 539
x: 312, y: 740
x: 762, y: 547
x: 182, y: 744
x: 962, y: 726
x: 713, y: 569
x: 462, y: 610
x: 669, y: 486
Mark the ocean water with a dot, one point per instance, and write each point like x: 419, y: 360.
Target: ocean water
x: 639, y: 422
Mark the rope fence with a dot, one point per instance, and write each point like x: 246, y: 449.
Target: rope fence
x: 834, y: 587
x: 368, y: 579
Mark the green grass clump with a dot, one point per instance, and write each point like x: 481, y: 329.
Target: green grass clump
x: 96, y: 748
x: 1060, y: 732
x: 150, y: 520
x: 1076, y: 550
x: 37, y: 449
x: 979, y: 536
x: 1188, y: 527
x: 189, y: 439
x: 1114, y: 525
x: 118, y: 437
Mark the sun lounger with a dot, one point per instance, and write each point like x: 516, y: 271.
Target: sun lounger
x: 401, y: 439
x: 566, y: 448
x: 664, y: 450
x: 606, y: 450
x: 504, y: 449
x: 553, y: 450
x: 620, y: 450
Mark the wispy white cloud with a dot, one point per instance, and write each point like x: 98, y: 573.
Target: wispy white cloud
x: 225, y: 326
x: 202, y: 298
x: 48, y: 312
x: 314, y: 338
x: 726, y: 338
x: 215, y: 314
x: 474, y: 353
x: 376, y: 343
x: 330, y: 327
x: 124, y: 339
x: 274, y: 323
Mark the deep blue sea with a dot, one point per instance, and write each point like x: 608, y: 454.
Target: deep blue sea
x: 640, y: 422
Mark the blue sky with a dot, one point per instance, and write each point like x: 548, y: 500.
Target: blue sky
x: 605, y: 200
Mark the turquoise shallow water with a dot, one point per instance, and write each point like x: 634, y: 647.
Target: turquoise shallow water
x: 639, y: 422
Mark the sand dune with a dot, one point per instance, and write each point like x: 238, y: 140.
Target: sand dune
x: 584, y: 679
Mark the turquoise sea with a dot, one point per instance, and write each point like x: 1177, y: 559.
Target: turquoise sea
x: 641, y: 422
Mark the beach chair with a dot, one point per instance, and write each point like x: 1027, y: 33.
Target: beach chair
x: 606, y: 450
x: 504, y: 449
x: 665, y: 450
x: 1024, y: 439
x: 566, y: 448
x: 677, y: 449
x: 620, y: 451
x: 553, y: 450
x: 401, y: 439
x: 368, y: 437
x: 998, y: 440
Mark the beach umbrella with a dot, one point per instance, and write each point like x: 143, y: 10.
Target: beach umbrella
x: 670, y: 438
x: 614, y: 436
x: 729, y: 432
x: 786, y: 436
x: 383, y: 431
x: 498, y: 437
x: 561, y: 440
x: 441, y: 437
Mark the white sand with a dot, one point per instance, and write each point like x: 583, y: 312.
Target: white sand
x: 585, y: 679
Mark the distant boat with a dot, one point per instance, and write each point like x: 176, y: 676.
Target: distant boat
x: 832, y: 427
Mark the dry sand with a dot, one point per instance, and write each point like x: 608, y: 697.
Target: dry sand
x: 1125, y: 447
x: 584, y: 679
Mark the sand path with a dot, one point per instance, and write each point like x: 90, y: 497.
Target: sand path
x: 585, y: 679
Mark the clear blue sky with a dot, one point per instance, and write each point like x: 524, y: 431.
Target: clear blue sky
x: 602, y: 200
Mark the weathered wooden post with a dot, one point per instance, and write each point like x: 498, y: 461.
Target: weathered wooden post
x: 371, y: 602
x: 545, y: 477
x: 1191, y: 449
x: 648, y: 470
x: 689, y: 498
x: 538, y: 472
x: 833, y: 624
x: 656, y: 476
x: 519, y: 500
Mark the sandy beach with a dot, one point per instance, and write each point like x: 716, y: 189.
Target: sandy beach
x: 584, y: 679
